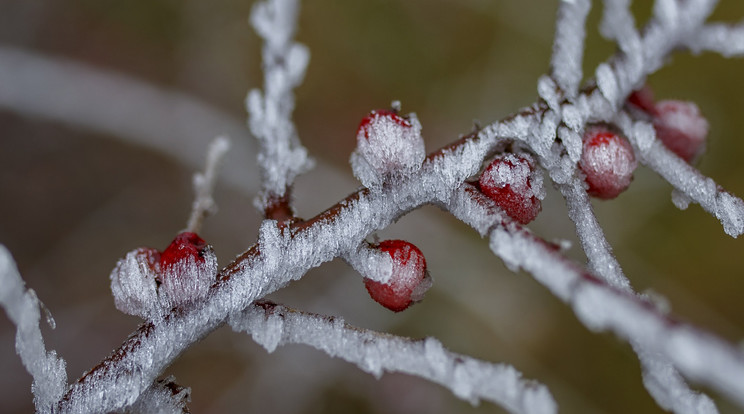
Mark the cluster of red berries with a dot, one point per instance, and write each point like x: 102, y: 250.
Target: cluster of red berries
x: 147, y: 282
x: 679, y: 125
x: 408, y: 281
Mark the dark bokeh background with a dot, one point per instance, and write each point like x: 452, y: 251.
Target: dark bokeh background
x: 75, y: 200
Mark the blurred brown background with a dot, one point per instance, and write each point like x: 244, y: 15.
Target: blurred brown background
x: 76, y: 195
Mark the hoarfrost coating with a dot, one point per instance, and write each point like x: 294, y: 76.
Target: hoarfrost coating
x: 186, y: 298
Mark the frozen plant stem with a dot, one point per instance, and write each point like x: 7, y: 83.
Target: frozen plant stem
x: 204, y: 184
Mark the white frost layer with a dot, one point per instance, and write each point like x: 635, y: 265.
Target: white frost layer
x: 601, y: 307
x: 725, y: 39
x: 23, y: 309
x: 686, y: 179
x: 371, y: 263
x: 204, y: 184
x: 568, y: 46
x: 163, y: 397
x: 387, y: 150
x: 136, y: 292
x: 468, y: 378
x: 281, y: 157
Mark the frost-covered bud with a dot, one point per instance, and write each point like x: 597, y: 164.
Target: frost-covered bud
x: 133, y: 283
x: 681, y: 127
x: 188, y: 268
x: 388, y: 146
x: 408, y: 281
x: 607, y: 161
x: 512, y: 182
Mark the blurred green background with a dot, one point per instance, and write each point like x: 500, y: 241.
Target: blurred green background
x: 75, y: 200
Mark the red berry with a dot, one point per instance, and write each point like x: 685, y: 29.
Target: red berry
x: 681, y: 127
x: 185, y: 246
x: 643, y: 99
x: 388, y: 147
x: 512, y: 183
x: 408, y: 281
x: 607, y: 161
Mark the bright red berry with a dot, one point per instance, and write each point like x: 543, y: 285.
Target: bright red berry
x: 681, y: 127
x: 607, y: 161
x: 188, y: 269
x: 513, y: 184
x: 388, y: 146
x: 408, y: 281
x: 185, y: 246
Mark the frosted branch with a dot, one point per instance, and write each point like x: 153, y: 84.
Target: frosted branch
x: 685, y: 178
x: 204, y: 204
x: 281, y: 157
x: 603, y: 301
x: 568, y: 46
x: 595, y: 245
x: 163, y: 397
x: 618, y: 24
x: 24, y: 310
x: 470, y: 379
x: 728, y: 40
x: 601, y: 307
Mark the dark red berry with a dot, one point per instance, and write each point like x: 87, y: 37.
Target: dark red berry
x: 643, y: 99
x: 607, y: 161
x: 408, y: 281
x: 185, y: 246
x: 510, y: 181
x: 681, y: 127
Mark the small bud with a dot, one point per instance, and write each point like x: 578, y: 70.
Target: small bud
x: 512, y: 182
x: 607, y: 161
x: 388, y: 146
x: 408, y: 281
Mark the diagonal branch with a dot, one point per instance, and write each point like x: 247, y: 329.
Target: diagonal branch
x: 601, y: 307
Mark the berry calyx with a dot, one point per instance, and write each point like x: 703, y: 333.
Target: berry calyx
x: 186, y: 246
x: 513, y: 184
x: 389, y: 146
x: 607, y: 161
x: 681, y: 127
x: 408, y: 281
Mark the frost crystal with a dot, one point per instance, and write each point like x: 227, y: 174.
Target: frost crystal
x: 133, y: 283
x: 388, y: 146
